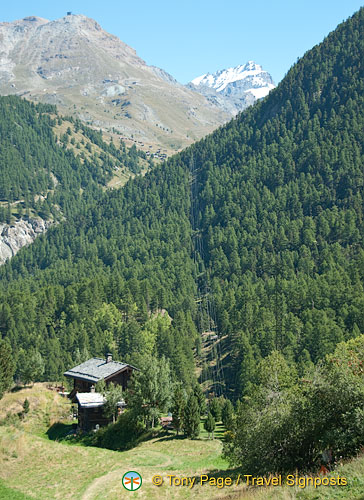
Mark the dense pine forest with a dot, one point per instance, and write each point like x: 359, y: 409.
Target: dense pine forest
x: 49, y: 175
x: 280, y: 194
x: 281, y: 208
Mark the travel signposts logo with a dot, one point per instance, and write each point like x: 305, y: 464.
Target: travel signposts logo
x: 132, y: 481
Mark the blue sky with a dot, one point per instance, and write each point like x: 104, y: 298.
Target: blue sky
x: 191, y: 37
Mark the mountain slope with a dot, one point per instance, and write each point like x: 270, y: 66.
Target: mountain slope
x: 281, y: 200
x: 279, y: 212
x: 73, y: 63
x: 234, y: 89
x: 51, y: 168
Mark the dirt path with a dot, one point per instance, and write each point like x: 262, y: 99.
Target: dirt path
x: 99, y: 482
x: 103, y: 482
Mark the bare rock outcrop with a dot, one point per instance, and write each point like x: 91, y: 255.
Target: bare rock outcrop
x: 19, y: 234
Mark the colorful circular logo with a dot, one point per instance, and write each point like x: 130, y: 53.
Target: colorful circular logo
x: 132, y: 480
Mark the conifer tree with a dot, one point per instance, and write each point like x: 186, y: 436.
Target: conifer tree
x: 30, y: 367
x: 227, y: 415
x: 215, y: 409
x: 7, y: 367
x: 178, y: 408
x: 210, y: 425
x: 26, y: 406
x: 191, y: 420
x: 200, y: 396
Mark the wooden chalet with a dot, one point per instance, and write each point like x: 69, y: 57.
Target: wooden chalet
x: 85, y: 376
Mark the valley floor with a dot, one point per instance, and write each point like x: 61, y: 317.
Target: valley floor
x: 33, y: 466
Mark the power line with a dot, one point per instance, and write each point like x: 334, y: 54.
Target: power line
x: 207, y: 321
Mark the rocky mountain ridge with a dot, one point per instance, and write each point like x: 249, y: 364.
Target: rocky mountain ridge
x: 73, y: 63
x: 234, y: 89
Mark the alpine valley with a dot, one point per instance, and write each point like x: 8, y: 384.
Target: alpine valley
x: 231, y: 275
x: 98, y: 80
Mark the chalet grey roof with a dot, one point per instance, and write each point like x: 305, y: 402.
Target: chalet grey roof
x: 94, y: 400
x: 90, y: 399
x: 95, y: 369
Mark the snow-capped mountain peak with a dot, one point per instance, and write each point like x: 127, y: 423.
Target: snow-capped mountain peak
x: 251, y: 72
x: 241, y: 85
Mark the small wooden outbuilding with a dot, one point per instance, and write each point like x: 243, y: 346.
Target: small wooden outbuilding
x: 85, y: 376
x: 90, y: 410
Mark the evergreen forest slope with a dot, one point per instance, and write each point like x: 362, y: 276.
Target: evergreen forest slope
x: 279, y: 209
x: 51, y: 165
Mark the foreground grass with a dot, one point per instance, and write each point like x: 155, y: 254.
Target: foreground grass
x: 7, y: 493
x: 47, y: 469
x: 33, y: 466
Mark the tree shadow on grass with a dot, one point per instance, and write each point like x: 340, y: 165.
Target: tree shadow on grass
x: 236, y: 474
x: 68, y: 433
x: 171, y: 437
x: 18, y: 388
x: 59, y: 431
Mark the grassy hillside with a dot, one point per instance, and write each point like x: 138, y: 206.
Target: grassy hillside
x: 79, y: 472
x: 45, y: 408
x: 85, y: 473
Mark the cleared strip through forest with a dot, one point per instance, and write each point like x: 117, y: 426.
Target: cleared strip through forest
x: 207, y: 323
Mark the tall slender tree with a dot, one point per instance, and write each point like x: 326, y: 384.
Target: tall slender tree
x: 151, y: 390
x: 7, y: 367
x: 210, y: 425
x: 191, y: 419
x: 178, y: 408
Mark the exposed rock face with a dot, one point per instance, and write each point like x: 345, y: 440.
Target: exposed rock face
x: 73, y: 63
x: 19, y: 234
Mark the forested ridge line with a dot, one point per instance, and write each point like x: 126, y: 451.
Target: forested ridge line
x: 281, y: 197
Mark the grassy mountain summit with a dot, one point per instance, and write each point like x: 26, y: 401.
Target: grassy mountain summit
x: 278, y: 208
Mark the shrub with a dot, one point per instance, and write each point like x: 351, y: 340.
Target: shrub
x: 122, y: 435
x: 286, y: 423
